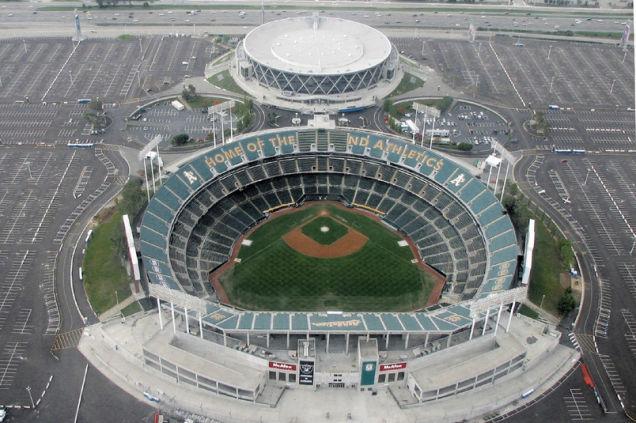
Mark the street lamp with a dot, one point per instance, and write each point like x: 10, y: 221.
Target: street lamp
x: 586, y: 176
x: 549, y: 51
x: 612, y: 87
x: 542, y: 298
x: 28, y: 388
x: 551, y: 82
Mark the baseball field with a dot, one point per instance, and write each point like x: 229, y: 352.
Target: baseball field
x: 324, y: 256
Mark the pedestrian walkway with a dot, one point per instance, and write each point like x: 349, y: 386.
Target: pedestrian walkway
x: 116, y: 309
x: 115, y: 349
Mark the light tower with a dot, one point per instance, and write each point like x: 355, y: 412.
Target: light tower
x: 78, y: 30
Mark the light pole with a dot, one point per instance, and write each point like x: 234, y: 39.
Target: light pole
x: 24, y: 44
x: 549, y: 51
x: 624, y: 56
x: 430, y: 146
x: 551, y: 82
x: 612, y: 87
x: 586, y: 176
x: 28, y: 388
x: 542, y: 298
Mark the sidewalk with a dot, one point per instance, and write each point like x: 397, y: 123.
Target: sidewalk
x: 116, y: 309
x: 115, y: 349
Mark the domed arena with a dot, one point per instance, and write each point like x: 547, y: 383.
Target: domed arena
x: 311, y: 61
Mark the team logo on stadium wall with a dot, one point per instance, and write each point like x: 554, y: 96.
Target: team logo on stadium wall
x: 306, y: 376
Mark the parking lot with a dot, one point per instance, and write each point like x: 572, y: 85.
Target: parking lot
x: 54, y: 70
x: 596, y: 194
x: 597, y: 130
x: 163, y: 119
x: 36, y: 195
x: 576, y: 75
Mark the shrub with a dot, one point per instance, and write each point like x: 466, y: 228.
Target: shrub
x: 180, y: 139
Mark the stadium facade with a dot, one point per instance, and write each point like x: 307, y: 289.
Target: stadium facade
x: 194, y: 220
x: 316, y: 63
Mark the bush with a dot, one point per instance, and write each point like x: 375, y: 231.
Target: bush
x: 180, y: 139
x: 567, y: 303
x: 518, y: 212
x: 567, y: 256
x: 132, y: 199
x: 465, y: 146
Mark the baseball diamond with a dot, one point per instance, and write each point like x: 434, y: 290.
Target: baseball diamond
x: 362, y: 268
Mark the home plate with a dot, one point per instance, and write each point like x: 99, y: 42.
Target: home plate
x: 246, y: 242
x: 403, y: 243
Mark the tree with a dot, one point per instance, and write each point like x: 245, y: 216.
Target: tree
x: 132, y: 198
x: 189, y: 93
x: 567, y: 303
x: 180, y: 139
x: 445, y: 103
x: 465, y: 146
x: 96, y: 105
x: 518, y: 212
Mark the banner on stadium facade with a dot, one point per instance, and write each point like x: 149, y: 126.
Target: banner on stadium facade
x: 626, y: 32
x: 392, y: 366
x: 306, y: 373
x: 286, y: 367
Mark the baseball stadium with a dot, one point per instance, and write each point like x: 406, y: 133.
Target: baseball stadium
x: 338, y: 258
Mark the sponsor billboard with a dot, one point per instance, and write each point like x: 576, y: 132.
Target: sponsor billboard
x: 392, y: 366
x: 286, y: 367
x: 306, y: 372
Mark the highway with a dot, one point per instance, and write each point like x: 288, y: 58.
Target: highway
x: 37, y: 19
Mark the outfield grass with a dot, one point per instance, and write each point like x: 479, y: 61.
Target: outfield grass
x: 546, y: 268
x: 379, y: 277
x: 103, y: 271
x: 313, y: 230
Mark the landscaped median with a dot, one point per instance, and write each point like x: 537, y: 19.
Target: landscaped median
x: 105, y: 278
x: 553, y: 256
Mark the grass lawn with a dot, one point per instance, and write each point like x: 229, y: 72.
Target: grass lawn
x: 131, y: 308
x: 379, y: 277
x: 314, y: 230
x: 103, y: 271
x: 546, y: 267
x: 224, y: 80
x: 408, y: 83
x: 125, y: 37
x: 527, y: 311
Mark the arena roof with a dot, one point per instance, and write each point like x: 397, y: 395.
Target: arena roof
x: 184, y: 184
x: 317, y: 45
